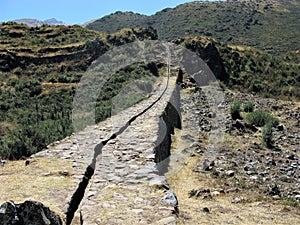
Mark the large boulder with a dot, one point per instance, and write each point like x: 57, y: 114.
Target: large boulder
x: 29, y: 212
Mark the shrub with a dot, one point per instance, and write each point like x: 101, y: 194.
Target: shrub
x: 267, y: 135
x: 260, y: 118
x: 248, y: 106
x: 235, y: 110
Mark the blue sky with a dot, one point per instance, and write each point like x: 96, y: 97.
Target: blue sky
x: 78, y: 11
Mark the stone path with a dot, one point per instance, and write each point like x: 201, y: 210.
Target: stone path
x: 126, y: 187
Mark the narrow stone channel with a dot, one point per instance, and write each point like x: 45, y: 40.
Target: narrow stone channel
x: 80, y: 191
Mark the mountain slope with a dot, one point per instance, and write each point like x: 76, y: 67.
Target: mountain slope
x: 271, y: 25
x: 116, y: 21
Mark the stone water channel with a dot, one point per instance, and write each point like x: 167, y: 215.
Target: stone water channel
x: 120, y: 165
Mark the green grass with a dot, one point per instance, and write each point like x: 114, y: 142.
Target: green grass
x: 290, y: 202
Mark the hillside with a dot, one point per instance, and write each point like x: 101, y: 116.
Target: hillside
x: 39, y: 70
x: 44, y: 64
x: 271, y: 25
x: 229, y: 151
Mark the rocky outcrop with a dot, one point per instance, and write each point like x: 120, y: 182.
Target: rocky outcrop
x: 207, y: 50
x: 28, y: 212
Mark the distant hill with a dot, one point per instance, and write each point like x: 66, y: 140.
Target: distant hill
x: 271, y: 25
x: 36, y: 23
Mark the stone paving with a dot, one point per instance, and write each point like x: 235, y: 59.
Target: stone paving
x: 126, y: 187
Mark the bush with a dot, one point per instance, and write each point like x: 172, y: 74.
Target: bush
x: 235, y: 110
x: 267, y: 135
x: 260, y: 118
x: 248, y: 106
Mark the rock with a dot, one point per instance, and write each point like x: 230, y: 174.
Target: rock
x: 253, y: 177
x: 290, y: 173
x: 145, y: 170
x: 275, y: 191
x: 211, y: 115
x: 292, y: 157
x: 239, y: 124
x: 215, y: 193
x: 251, y: 173
x: 297, y: 197
x: 165, y: 221
x: 237, y: 200
x: 280, y: 127
x: 194, y: 145
x: 27, y: 162
x: 107, y: 205
x: 159, y: 182
x: 205, y: 209
x: 29, y: 212
x: 248, y: 167
x: 271, y: 162
x: 230, y: 173
x: 170, y: 199
x: 8, y: 213
x: 231, y: 190
x: 64, y: 173
x: 137, y: 211
x: 2, y: 162
x: 207, y: 166
x: 276, y: 197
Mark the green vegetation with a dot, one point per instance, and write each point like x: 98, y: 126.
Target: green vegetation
x: 267, y: 121
x: 290, y: 202
x: 235, y: 110
x: 38, y: 77
x: 34, y: 116
x: 259, y: 72
x: 267, y: 135
x: 248, y: 106
x: 247, y: 69
x: 251, y: 23
x: 257, y: 118
x: 260, y: 118
x: 116, y: 84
